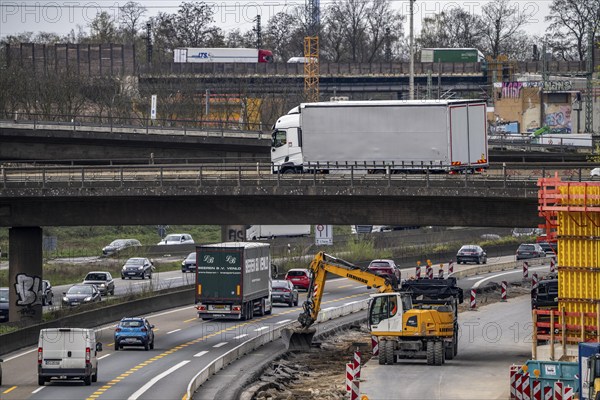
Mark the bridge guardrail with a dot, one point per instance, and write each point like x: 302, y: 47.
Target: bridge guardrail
x: 483, y: 269
x: 252, y: 344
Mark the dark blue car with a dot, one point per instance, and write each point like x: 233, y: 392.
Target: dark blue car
x: 135, y: 331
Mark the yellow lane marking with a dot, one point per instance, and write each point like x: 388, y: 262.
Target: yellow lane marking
x: 110, y: 344
x: 343, y: 286
x: 190, y: 320
x: 9, y: 390
x: 110, y: 384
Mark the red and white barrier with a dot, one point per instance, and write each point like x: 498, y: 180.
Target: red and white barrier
x: 526, y: 387
x: 418, y: 271
x: 450, y: 267
x: 525, y: 270
x: 537, y: 390
x: 568, y: 393
x: 375, y: 345
x: 558, y: 391
x: 534, y: 281
x: 354, y: 393
x: 504, y: 285
x: 356, y: 363
x: 441, y: 273
x: 553, y: 265
x: 349, y: 376
x: 473, y: 299
x: 429, y: 271
x: 547, y: 392
x: 513, y: 374
x: 518, y: 387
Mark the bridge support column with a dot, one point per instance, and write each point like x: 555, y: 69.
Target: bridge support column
x: 233, y: 233
x: 25, y: 274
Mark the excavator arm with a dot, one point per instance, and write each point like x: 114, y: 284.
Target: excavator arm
x: 323, y: 263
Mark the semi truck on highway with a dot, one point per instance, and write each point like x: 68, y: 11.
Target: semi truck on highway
x: 221, y: 55
x: 417, y: 319
x: 255, y: 232
x: 382, y: 136
x: 233, y: 280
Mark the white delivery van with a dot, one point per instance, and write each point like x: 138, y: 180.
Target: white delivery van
x: 68, y: 353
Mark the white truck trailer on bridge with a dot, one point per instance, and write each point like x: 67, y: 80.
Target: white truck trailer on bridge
x: 372, y: 136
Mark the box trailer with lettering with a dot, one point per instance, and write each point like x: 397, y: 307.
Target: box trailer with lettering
x: 255, y: 232
x: 233, y: 280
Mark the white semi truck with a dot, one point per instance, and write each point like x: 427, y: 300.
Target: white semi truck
x: 255, y: 232
x: 221, y: 55
x: 381, y: 136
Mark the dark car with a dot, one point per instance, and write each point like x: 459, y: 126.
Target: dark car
x: 530, y: 250
x: 189, y: 264
x: 546, y: 293
x: 4, y: 304
x: 299, y: 277
x: 550, y: 249
x: 118, y: 245
x: 137, y: 267
x: 103, y: 281
x: 385, y: 268
x: 134, y: 332
x: 471, y: 253
x: 47, y: 293
x: 284, y: 292
x: 81, y: 294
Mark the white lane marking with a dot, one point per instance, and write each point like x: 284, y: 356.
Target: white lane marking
x: 104, y: 356
x: 38, y: 389
x: 261, y: 329
x: 514, y: 271
x: 328, y: 308
x: 173, y: 331
x: 201, y: 353
x: 157, y: 378
x: 282, y: 322
x: 241, y: 336
x: 352, y: 302
x: 20, y: 354
x: 220, y: 344
x: 170, y: 279
x: 326, y: 293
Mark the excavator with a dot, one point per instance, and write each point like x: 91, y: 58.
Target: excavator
x: 417, y: 319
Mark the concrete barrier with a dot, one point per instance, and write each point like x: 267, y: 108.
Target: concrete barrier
x: 487, y: 268
x: 252, y: 344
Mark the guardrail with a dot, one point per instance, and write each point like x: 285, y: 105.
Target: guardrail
x: 257, y: 341
x: 484, y: 269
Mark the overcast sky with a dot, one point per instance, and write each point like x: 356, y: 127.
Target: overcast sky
x: 61, y: 16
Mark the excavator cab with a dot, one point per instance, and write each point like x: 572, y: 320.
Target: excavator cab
x: 386, y: 311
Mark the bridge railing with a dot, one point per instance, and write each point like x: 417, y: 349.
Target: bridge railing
x: 77, y: 121
x: 260, y: 174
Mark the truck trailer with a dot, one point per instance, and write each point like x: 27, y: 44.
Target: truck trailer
x: 221, y: 55
x: 233, y: 280
x: 255, y: 232
x: 382, y: 136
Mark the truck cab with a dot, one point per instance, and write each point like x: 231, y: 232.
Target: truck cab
x: 286, y: 153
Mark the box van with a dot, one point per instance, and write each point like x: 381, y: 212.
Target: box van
x: 68, y: 353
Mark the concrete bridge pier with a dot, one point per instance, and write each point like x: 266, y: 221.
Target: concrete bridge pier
x: 25, y: 274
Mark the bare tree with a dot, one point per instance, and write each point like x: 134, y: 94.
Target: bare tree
x: 569, y: 23
x: 503, y: 23
x: 192, y: 24
x: 103, y: 28
x: 130, y: 16
x: 284, y: 36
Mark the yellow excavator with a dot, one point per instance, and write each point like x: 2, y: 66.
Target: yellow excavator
x: 418, y: 319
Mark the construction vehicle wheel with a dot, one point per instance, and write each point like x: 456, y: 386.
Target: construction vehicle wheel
x: 430, y: 354
x: 389, y: 352
x: 382, y: 352
x: 438, y: 350
x: 449, y: 352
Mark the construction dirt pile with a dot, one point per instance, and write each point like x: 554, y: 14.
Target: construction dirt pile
x: 321, y: 372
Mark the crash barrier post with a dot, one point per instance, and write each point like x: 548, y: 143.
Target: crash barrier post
x: 349, y: 376
x: 441, y: 272
x: 568, y: 393
x: 418, y: 271
x: 450, y: 267
x: 525, y: 270
x: 525, y: 387
x: 553, y: 265
x: 473, y: 299
x: 375, y: 345
x: 537, y: 390
x: 355, y: 389
x: 429, y: 270
x: 534, y: 280
x: 558, y: 391
x: 356, y: 362
x: 547, y: 393
x: 504, y: 286
x: 513, y: 374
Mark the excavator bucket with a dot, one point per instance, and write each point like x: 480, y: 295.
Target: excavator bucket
x: 298, y: 339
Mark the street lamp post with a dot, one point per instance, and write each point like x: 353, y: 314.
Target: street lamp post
x: 411, y: 78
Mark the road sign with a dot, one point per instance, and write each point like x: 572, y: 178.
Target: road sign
x: 323, y: 235
x: 153, y: 107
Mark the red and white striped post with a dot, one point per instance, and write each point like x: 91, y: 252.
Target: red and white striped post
x: 553, y: 265
x: 450, y: 267
x: 568, y: 393
x: 534, y: 280
x: 558, y: 391
x: 513, y: 373
x: 504, y: 285
x: 537, y: 390
x: 547, y: 392
x: 375, y: 345
x: 441, y: 272
x: 354, y: 393
x: 356, y: 363
x: 418, y: 270
x: 473, y: 299
x: 518, y: 387
x: 525, y: 386
x: 525, y: 270
x: 349, y: 376
x: 429, y: 270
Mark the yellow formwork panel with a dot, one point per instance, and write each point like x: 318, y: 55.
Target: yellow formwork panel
x: 580, y: 194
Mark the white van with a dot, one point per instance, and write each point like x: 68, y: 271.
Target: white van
x: 68, y: 353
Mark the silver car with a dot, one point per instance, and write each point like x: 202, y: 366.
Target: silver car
x: 103, y: 281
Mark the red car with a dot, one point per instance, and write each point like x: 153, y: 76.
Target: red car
x: 386, y: 268
x: 299, y: 277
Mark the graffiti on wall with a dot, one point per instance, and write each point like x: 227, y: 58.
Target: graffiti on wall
x: 558, y: 118
x: 29, y: 294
